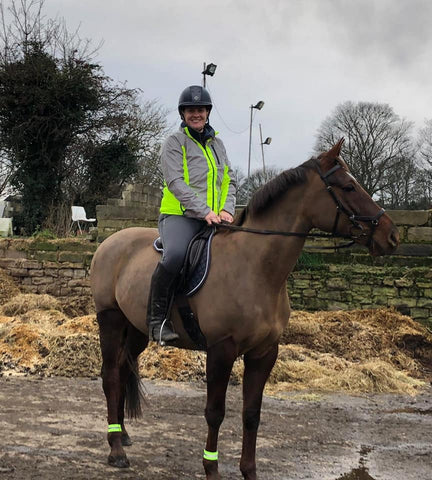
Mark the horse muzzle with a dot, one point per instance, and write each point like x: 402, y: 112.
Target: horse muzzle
x: 384, y: 241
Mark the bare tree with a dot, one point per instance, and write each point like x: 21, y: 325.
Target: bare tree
x: 422, y: 190
x: 377, y: 141
x: 23, y: 23
x: 425, y: 144
x: 398, y: 189
x: 247, y: 187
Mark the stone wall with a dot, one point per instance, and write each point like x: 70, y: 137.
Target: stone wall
x: 55, y: 267
x: 415, y: 229
x: 138, y: 207
x: 357, y: 286
x: 350, y: 279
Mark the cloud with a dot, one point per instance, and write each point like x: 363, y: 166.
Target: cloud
x: 302, y: 57
x: 396, y: 31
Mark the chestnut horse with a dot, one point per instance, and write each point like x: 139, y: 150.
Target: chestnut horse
x: 243, y: 307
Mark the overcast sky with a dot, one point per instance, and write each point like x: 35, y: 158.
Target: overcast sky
x: 302, y: 57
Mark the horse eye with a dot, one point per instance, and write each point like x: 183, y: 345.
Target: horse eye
x: 348, y: 188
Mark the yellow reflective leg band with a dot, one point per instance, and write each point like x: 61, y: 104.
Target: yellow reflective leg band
x: 210, y: 455
x: 114, y: 427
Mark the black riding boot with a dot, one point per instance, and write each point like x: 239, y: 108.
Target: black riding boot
x: 161, y: 291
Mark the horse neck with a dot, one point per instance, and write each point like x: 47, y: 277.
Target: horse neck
x: 276, y: 255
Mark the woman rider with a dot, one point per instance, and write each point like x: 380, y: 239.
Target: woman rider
x: 199, y: 190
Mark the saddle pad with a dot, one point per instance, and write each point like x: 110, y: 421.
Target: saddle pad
x: 198, y: 276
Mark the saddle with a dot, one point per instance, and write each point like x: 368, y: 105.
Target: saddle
x: 192, y: 277
x: 197, y: 261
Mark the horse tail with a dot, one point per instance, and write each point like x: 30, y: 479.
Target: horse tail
x: 134, y: 394
x: 135, y: 343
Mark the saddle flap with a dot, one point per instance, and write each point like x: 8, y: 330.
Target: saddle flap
x: 195, y: 250
x: 197, y: 260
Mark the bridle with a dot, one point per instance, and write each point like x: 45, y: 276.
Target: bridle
x: 340, y: 208
x: 353, y: 218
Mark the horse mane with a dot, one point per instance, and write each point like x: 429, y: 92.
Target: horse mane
x: 274, y: 189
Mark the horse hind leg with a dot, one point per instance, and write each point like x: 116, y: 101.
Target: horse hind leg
x: 256, y: 373
x: 119, y: 377
x: 132, y: 396
x: 220, y: 359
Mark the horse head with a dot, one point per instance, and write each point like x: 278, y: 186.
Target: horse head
x: 343, y: 207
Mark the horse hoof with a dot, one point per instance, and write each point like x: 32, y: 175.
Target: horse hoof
x: 119, y: 462
x: 126, y: 440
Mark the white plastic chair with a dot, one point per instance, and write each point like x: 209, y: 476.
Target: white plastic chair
x: 79, y: 215
x: 6, y: 227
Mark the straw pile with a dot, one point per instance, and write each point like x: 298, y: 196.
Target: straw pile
x: 358, y: 351
x: 37, y: 337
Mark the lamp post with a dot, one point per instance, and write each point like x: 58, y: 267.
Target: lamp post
x: 267, y: 141
x: 209, y: 69
x: 258, y: 106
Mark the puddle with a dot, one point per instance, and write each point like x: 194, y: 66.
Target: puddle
x: 360, y: 473
x: 357, y: 474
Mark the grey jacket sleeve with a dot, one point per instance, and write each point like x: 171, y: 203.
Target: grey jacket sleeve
x: 172, y: 169
x: 230, y: 201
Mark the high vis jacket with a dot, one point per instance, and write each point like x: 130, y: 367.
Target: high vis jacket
x: 198, y: 176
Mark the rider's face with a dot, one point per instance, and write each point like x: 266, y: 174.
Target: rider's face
x: 195, y: 117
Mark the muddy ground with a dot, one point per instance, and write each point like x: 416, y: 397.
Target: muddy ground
x: 54, y: 428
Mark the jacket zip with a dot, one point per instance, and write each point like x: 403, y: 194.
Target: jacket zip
x: 217, y: 158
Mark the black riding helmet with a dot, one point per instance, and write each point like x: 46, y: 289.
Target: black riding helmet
x: 194, y: 96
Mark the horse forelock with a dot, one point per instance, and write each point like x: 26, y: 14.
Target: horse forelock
x: 269, y: 193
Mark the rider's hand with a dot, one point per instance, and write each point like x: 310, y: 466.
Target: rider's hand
x: 211, y: 217
x: 226, y: 217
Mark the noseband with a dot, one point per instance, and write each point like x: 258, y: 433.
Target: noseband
x: 353, y: 218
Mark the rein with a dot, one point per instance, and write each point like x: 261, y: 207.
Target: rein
x: 238, y: 228
x: 353, y: 218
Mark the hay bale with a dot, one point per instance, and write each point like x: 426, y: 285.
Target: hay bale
x: 26, y: 302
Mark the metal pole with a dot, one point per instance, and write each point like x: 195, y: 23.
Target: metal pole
x: 204, y: 75
x: 262, y: 148
x: 249, y: 156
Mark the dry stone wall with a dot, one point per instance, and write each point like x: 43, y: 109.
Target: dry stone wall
x: 138, y: 207
x: 354, y: 279
x: 357, y: 286
x: 56, y: 267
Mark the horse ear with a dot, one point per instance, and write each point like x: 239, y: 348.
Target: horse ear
x: 336, y: 149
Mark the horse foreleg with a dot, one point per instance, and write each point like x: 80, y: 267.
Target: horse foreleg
x: 256, y: 373
x: 220, y: 359
x: 112, y: 333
